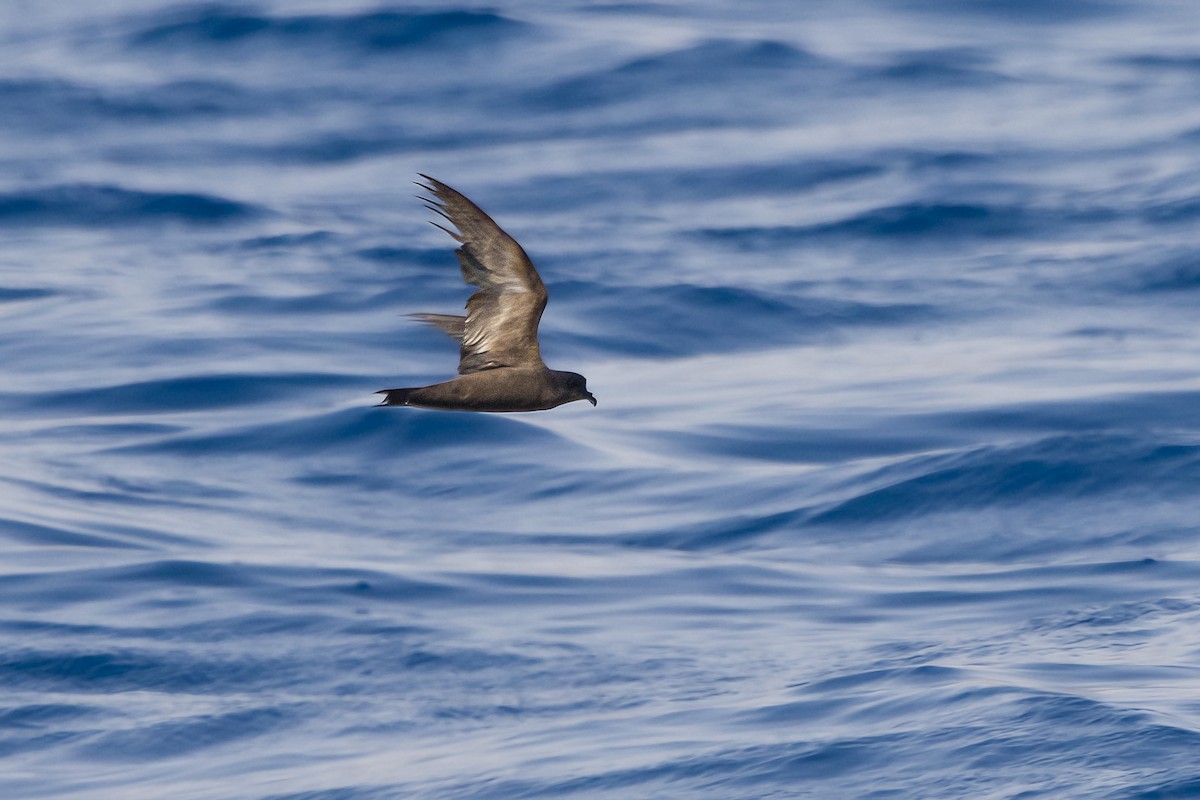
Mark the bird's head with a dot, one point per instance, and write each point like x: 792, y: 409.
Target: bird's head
x: 576, y: 387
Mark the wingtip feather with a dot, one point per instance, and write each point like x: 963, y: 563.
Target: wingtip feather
x: 454, y: 235
x: 439, y: 210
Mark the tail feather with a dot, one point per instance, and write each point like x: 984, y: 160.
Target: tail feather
x: 395, y: 397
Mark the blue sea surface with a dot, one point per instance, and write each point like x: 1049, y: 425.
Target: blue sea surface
x: 891, y: 310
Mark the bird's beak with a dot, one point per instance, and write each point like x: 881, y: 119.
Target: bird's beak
x: 591, y: 399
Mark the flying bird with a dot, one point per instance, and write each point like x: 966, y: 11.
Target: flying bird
x: 500, y: 367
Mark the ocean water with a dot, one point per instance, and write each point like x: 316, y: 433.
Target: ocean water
x: 890, y: 309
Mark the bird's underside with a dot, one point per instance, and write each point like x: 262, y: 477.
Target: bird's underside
x: 500, y: 389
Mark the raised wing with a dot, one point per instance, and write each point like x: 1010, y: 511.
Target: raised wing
x: 500, y: 329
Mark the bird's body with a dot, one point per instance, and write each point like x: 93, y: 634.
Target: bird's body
x: 500, y: 389
x: 500, y: 364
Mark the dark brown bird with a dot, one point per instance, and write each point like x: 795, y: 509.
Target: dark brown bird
x: 500, y: 367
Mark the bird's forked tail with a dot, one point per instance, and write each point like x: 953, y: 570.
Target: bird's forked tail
x: 395, y: 397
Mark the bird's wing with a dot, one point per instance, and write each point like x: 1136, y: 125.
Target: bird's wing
x: 450, y: 324
x: 500, y: 329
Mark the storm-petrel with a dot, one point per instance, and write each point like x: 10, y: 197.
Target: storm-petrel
x: 500, y: 367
